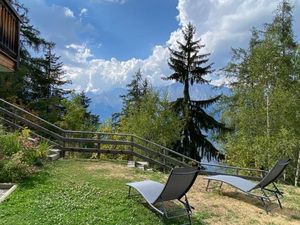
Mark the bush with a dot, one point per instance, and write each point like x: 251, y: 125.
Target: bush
x: 16, y: 168
x: 3, y: 174
x: 35, y: 151
x: 9, y: 144
x: 42, y: 149
x: 19, y: 154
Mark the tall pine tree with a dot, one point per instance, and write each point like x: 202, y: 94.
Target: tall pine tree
x: 136, y: 90
x: 85, y: 101
x: 46, y: 85
x: 189, y: 69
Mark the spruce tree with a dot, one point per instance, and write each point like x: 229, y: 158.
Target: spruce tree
x: 46, y: 84
x: 77, y: 116
x: 136, y: 90
x: 189, y: 68
x: 85, y: 101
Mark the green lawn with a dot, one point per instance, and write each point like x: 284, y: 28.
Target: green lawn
x: 80, y: 192
x: 95, y: 192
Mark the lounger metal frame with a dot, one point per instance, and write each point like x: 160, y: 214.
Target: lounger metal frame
x: 267, y: 194
x: 163, y: 212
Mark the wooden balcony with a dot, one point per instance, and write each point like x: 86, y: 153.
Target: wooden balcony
x: 9, y: 37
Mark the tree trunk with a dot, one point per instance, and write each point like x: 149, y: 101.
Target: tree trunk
x: 186, y: 92
x: 297, y: 171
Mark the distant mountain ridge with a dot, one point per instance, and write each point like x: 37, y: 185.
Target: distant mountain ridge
x: 108, y: 102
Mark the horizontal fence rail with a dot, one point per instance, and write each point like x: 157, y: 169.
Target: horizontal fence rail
x: 112, y: 143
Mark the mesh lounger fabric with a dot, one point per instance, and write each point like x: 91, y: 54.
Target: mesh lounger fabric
x: 238, y: 182
x: 149, y: 189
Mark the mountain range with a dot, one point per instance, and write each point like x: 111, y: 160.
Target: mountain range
x: 108, y: 102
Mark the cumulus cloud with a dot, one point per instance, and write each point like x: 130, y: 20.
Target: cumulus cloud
x: 99, y: 74
x: 221, y: 24
x: 69, y: 12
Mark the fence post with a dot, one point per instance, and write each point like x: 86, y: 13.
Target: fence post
x: 297, y: 171
x: 131, y: 146
x: 99, y: 145
x: 164, y: 155
x: 64, y: 145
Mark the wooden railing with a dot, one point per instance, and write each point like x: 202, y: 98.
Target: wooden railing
x: 9, y: 30
x: 112, y: 143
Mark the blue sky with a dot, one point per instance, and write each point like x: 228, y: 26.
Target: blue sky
x: 119, y: 29
x: 103, y: 42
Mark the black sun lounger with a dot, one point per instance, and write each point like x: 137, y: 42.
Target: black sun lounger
x: 178, y: 184
x: 248, y: 187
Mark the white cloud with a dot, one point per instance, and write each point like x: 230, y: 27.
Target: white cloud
x: 83, y: 12
x: 99, y: 75
x: 78, y: 53
x: 69, y: 12
x: 221, y: 24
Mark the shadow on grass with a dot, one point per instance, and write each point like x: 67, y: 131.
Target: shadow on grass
x: 170, y: 206
x: 41, y: 177
x: 274, y: 207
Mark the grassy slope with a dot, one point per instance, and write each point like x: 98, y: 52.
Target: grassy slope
x: 78, y: 192
x: 84, y: 192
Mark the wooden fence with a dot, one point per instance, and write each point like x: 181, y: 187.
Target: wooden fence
x: 112, y: 143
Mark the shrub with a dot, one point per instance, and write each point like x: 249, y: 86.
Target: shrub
x: 19, y: 154
x: 16, y: 168
x: 42, y: 150
x: 3, y: 174
x: 9, y: 144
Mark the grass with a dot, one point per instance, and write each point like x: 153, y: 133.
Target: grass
x: 89, y: 192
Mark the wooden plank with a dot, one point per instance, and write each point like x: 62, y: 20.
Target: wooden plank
x: 31, y: 124
x: 17, y: 108
x: 169, y: 158
x: 96, y: 150
x: 18, y: 127
x: 151, y: 160
x: 96, y: 133
x: 96, y: 141
x: 6, y: 63
x: 167, y: 149
x: 9, y: 37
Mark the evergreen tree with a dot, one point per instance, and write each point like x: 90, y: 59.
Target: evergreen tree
x: 46, y: 86
x: 85, y: 102
x: 189, y: 68
x: 77, y: 116
x: 136, y: 90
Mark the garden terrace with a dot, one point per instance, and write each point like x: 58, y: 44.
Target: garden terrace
x: 97, y: 194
